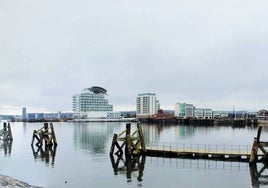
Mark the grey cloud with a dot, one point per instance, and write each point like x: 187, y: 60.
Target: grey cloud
x: 212, y: 53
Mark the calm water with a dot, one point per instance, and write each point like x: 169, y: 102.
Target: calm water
x: 82, y: 157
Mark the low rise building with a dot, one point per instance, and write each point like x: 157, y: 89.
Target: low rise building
x: 184, y: 110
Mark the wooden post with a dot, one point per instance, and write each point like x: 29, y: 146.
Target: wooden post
x: 53, y: 135
x: 259, y: 133
x: 254, y: 151
x: 128, y: 141
x: 33, y: 137
x: 257, y: 144
x: 143, y: 147
x: 9, y: 131
x: 113, y: 144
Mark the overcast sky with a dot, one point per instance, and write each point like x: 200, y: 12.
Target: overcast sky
x: 210, y: 53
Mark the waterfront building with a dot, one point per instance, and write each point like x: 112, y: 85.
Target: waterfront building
x: 35, y: 116
x: 184, y: 110
x: 146, y: 105
x: 221, y: 114
x: 208, y: 114
x: 92, y: 103
x: 199, y: 113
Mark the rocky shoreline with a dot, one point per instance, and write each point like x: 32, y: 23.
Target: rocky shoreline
x: 9, y: 182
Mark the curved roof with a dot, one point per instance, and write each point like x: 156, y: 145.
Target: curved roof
x: 96, y: 89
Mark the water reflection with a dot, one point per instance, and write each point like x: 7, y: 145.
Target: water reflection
x: 128, y: 166
x: 154, y: 132
x: 6, y: 145
x: 258, y: 177
x: 45, y: 154
x: 87, y: 141
x: 94, y: 136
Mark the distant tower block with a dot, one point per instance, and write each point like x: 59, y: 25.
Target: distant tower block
x: 24, y: 113
x: 45, y: 134
x: 5, y: 133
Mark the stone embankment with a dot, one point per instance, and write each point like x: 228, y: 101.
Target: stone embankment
x: 8, y: 182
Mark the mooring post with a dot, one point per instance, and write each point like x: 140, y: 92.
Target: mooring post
x: 128, y: 140
x: 254, y: 151
x: 9, y: 131
x: 33, y: 137
x: 143, y: 147
x: 53, y: 135
x: 4, y: 126
x: 113, y: 144
x: 255, y: 146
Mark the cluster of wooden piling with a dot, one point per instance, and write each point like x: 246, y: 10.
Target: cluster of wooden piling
x: 6, y: 138
x: 45, y: 135
x: 6, y: 133
x: 133, y: 146
x: 133, y: 143
x: 256, y: 146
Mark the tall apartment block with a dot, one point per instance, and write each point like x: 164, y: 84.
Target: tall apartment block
x: 146, y: 105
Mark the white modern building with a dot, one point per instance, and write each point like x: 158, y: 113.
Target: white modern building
x: 203, y: 113
x: 183, y: 110
x: 91, y: 103
x: 208, y: 114
x: 199, y: 113
x: 146, y: 105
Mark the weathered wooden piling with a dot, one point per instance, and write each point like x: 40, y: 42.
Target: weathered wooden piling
x: 257, y: 144
x: 133, y: 143
x: 134, y: 150
x: 45, y: 134
x: 6, y: 133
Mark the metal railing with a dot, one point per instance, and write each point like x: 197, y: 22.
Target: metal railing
x: 201, y: 148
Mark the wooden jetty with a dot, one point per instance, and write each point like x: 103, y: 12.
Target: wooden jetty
x: 257, y: 153
x: 202, y: 151
x: 135, y: 146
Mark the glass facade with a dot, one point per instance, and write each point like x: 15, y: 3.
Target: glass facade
x: 90, y: 101
x: 87, y: 102
x: 183, y: 110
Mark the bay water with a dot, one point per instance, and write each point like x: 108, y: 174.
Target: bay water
x: 82, y: 159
